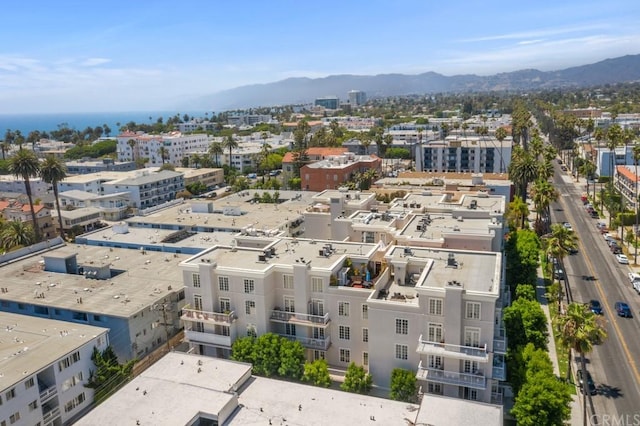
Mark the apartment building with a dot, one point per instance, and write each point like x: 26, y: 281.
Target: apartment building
x: 84, y: 166
x: 334, y: 171
x: 175, y: 145
x: 136, y: 294
x: 434, y: 311
x: 112, y: 207
x: 11, y: 183
x: 208, y: 177
x: 468, y: 154
x: 11, y: 210
x: 45, y: 365
x: 147, y: 188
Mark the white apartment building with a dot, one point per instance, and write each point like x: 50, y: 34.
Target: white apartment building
x: 175, y: 144
x: 470, y: 154
x: 10, y: 183
x: 434, y: 311
x: 148, y: 188
x: 112, y: 207
x: 45, y: 365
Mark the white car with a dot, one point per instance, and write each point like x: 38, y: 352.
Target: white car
x: 623, y: 259
x: 568, y: 226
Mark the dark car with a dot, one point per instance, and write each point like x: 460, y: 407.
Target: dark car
x: 595, y: 307
x: 615, y: 248
x: 623, y: 310
x: 558, y: 273
x: 594, y: 214
x: 591, y: 387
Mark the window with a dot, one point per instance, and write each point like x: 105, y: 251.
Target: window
x: 365, y: 334
x: 290, y: 329
x: 223, y: 283
x: 97, y: 318
x: 402, y: 352
x: 471, y: 367
x: 345, y: 332
x: 287, y: 282
x: 251, y: 330
x: 365, y: 312
x: 14, y: 417
x: 435, y: 361
x: 472, y: 310
x: 197, y: 302
x: 249, y: 307
x: 79, y: 316
x: 33, y: 405
x: 472, y: 337
x: 249, y: 286
x: 40, y: 310
x: 345, y: 355
x: 434, y: 333
x: 29, y: 383
x: 11, y: 393
x: 318, y: 355
x: 435, y: 306
x: 343, y: 309
x: 74, y: 402
x: 289, y: 304
x: 316, y: 284
x: 195, y: 278
x: 365, y: 358
x: 225, y: 304
x: 402, y: 326
x: 435, y: 388
x: 68, y: 361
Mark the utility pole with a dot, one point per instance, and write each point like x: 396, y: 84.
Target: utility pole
x: 163, y: 307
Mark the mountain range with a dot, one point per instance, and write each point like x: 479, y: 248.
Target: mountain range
x: 305, y: 90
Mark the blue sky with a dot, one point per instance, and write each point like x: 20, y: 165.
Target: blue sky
x: 93, y: 56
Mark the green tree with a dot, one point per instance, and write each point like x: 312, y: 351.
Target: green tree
x: 517, y: 213
x: 163, y: 154
x: 522, y: 170
x: 230, y: 143
x: 557, y: 245
x: 52, y: 171
x: 291, y: 359
x: 317, y: 373
x: 25, y: 165
x: 357, y: 380
x: 243, y: 349
x: 403, y: 385
x: 216, y: 149
x: 109, y: 375
x: 579, y: 329
x: 132, y: 143
x: 16, y: 234
x: 267, y: 355
x: 543, y: 193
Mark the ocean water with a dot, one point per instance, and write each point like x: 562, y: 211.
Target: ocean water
x: 80, y: 121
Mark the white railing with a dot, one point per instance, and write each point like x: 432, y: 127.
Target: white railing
x: 453, y: 351
x: 48, y: 393
x: 189, y: 314
x: 476, y: 381
x: 50, y: 415
x: 307, y: 342
x: 297, y: 317
x: 210, y: 338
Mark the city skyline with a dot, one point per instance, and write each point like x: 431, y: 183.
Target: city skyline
x: 119, y: 56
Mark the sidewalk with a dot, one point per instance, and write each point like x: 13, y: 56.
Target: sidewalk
x: 576, y: 404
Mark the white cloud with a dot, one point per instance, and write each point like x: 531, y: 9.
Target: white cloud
x: 92, y: 62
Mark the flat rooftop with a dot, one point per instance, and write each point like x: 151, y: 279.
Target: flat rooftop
x: 288, y: 251
x: 29, y: 344
x: 433, y: 226
x: 445, y: 411
x: 474, y: 203
x: 242, y: 212
x: 137, y: 280
x: 172, y: 392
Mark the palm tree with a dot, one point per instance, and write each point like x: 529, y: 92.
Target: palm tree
x: 5, y: 147
x: 230, y: 143
x: 262, y: 161
x: 522, y: 170
x: 517, y: 212
x: 16, y: 233
x: 195, y: 160
x: 557, y: 245
x: 53, y: 171
x: 543, y: 193
x: 216, y: 149
x: 501, y: 135
x: 132, y: 144
x: 163, y: 153
x: 24, y: 164
x: 365, y: 142
x: 580, y: 329
x: 587, y: 168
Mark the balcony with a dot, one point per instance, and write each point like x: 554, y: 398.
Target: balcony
x: 475, y: 381
x: 309, y: 343
x: 499, y: 370
x: 194, y: 315
x: 499, y: 343
x: 300, y: 318
x: 453, y: 351
x: 496, y: 398
x: 47, y: 393
x: 208, y: 338
x: 51, y: 415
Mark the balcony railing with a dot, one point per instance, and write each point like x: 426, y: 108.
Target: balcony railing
x: 210, y: 338
x: 300, y: 318
x: 499, y: 344
x: 307, y: 342
x: 499, y: 370
x: 50, y: 415
x: 47, y: 394
x: 476, y: 381
x: 189, y: 314
x: 453, y: 351
x: 496, y: 398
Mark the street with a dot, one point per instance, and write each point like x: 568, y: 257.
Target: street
x: 594, y: 273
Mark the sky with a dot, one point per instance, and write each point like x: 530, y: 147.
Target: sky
x: 144, y: 55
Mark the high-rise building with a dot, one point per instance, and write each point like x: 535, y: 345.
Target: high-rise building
x: 357, y: 97
x: 328, y: 102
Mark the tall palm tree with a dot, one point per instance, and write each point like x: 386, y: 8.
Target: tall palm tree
x: 543, y: 193
x: 557, y: 245
x: 580, y: 329
x: 163, y: 153
x: 501, y: 135
x: 5, y: 147
x: 517, y: 212
x: 230, y: 143
x: 195, y: 159
x: 25, y: 165
x: 132, y: 144
x: 522, y: 170
x: 53, y: 171
x: 365, y: 142
x: 262, y: 159
x: 16, y: 233
x: 216, y: 149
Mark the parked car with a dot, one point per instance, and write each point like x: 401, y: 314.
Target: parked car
x: 594, y: 214
x: 623, y: 310
x: 591, y: 387
x: 595, y: 307
x: 558, y: 273
x: 622, y: 259
x: 615, y: 248
x: 634, y: 279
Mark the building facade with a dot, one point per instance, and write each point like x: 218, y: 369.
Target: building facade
x: 334, y: 171
x: 174, y: 146
x: 464, y: 155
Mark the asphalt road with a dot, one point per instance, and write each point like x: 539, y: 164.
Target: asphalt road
x: 594, y: 273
